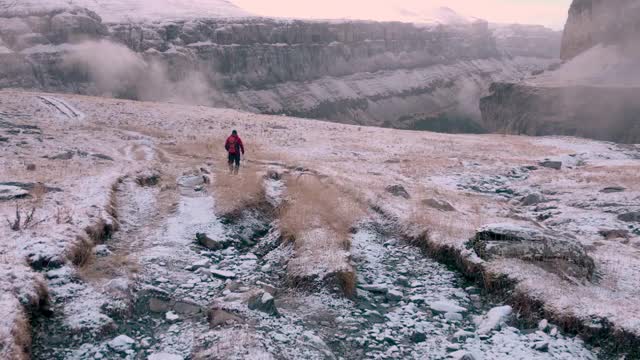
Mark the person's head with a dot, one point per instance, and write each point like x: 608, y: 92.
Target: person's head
x: 234, y: 132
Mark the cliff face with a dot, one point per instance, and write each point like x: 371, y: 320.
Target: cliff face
x: 358, y: 72
x: 593, y: 94
x: 593, y: 22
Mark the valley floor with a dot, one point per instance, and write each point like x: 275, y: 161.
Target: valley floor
x: 126, y: 237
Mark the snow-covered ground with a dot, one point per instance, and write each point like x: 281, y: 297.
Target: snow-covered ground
x: 87, y: 164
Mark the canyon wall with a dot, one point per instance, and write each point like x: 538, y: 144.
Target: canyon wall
x: 386, y: 74
x: 594, y: 93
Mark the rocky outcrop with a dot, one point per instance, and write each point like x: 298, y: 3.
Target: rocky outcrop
x: 593, y: 22
x: 389, y: 74
x: 555, y: 251
x: 593, y: 94
x: 604, y: 113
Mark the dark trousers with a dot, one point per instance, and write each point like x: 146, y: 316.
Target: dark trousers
x: 234, y: 159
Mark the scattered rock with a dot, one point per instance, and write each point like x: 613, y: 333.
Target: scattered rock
x: 462, y: 335
x: 446, y: 307
x: 210, y: 243
x: 398, y: 190
x: 533, y: 244
x: 418, y: 337
x: 451, y: 316
x: 68, y: 155
x: 394, y: 295
x: 164, y: 356
x: 556, y: 165
x: 375, y: 288
x: 12, y: 192
x: 158, y: 305
x: 633, y: 216
x: 31, y: 167
x: 121, y: 343
x: 102, y: 157
x: 219, y: 317
x: 462, y: 355
x: 541, y: 346
x: 222, y: 274
x: 543, y: 325
x: 532, y: 199
x: 610, y: 234
x: 554, y: 332
x: 263, y: 301
x: 199, y: 265
x: 493, y: 320
x: 186, y: 307
x: 453, y: 347
x: 171, y: 317
x: 3, y: 139
x: 438, y: 204
x: 613, y: 189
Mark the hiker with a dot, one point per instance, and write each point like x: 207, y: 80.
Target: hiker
x: 234, y: 148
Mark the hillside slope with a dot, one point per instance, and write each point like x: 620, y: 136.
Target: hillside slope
x: 121, y: 190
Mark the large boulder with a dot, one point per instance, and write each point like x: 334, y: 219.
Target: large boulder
x: 554, y: 251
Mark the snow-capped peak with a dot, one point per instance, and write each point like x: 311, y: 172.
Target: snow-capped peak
x: 138, y: 10
x: 438, y: 15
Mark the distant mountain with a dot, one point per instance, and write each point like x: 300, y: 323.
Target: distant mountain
x: 438, y: 15
x: 137, y: 10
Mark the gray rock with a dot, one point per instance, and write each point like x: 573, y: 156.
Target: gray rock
x: 633, y: 216
x: 438, y: 204
x: 394, y: 295
x: 210, y: 243
x: 186, y: 307
x: 375, y: 288
x: 222, y: 274
x: 462, y: 355
x: 453, y: 316
x: 610, y: 234
x: 12, y: 192
x: 556, y: 165
x: 533, y: 244
x: 543, y: 325
x: 532, y: 199
x: 264, y: 302
x: 541, y: 346
x: 159, y: 305
x: 418, y: 337
x: 613, y: 189
x: 121, y: 343
x: 398, y: 190
x: 219, y: 317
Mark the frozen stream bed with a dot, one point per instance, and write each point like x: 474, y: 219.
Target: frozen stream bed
x: 153, y: 292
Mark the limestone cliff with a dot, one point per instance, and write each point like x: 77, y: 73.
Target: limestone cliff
x: 594, y: 93
x: 348, y: 71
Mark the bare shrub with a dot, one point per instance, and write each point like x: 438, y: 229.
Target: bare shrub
x: 24, y: 221
x: 63, y: 215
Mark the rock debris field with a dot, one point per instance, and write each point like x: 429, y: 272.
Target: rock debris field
x: 127, y: 239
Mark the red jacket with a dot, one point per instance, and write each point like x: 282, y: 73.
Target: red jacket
x: 234, y: 145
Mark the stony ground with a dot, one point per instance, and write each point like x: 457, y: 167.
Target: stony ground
x: 121, y: 191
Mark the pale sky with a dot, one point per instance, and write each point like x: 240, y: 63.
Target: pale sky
x: 552, y: 13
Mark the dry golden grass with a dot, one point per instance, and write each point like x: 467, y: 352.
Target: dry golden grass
x: 115, y: 265
x: 236, y: 192
x: 312, y: 203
